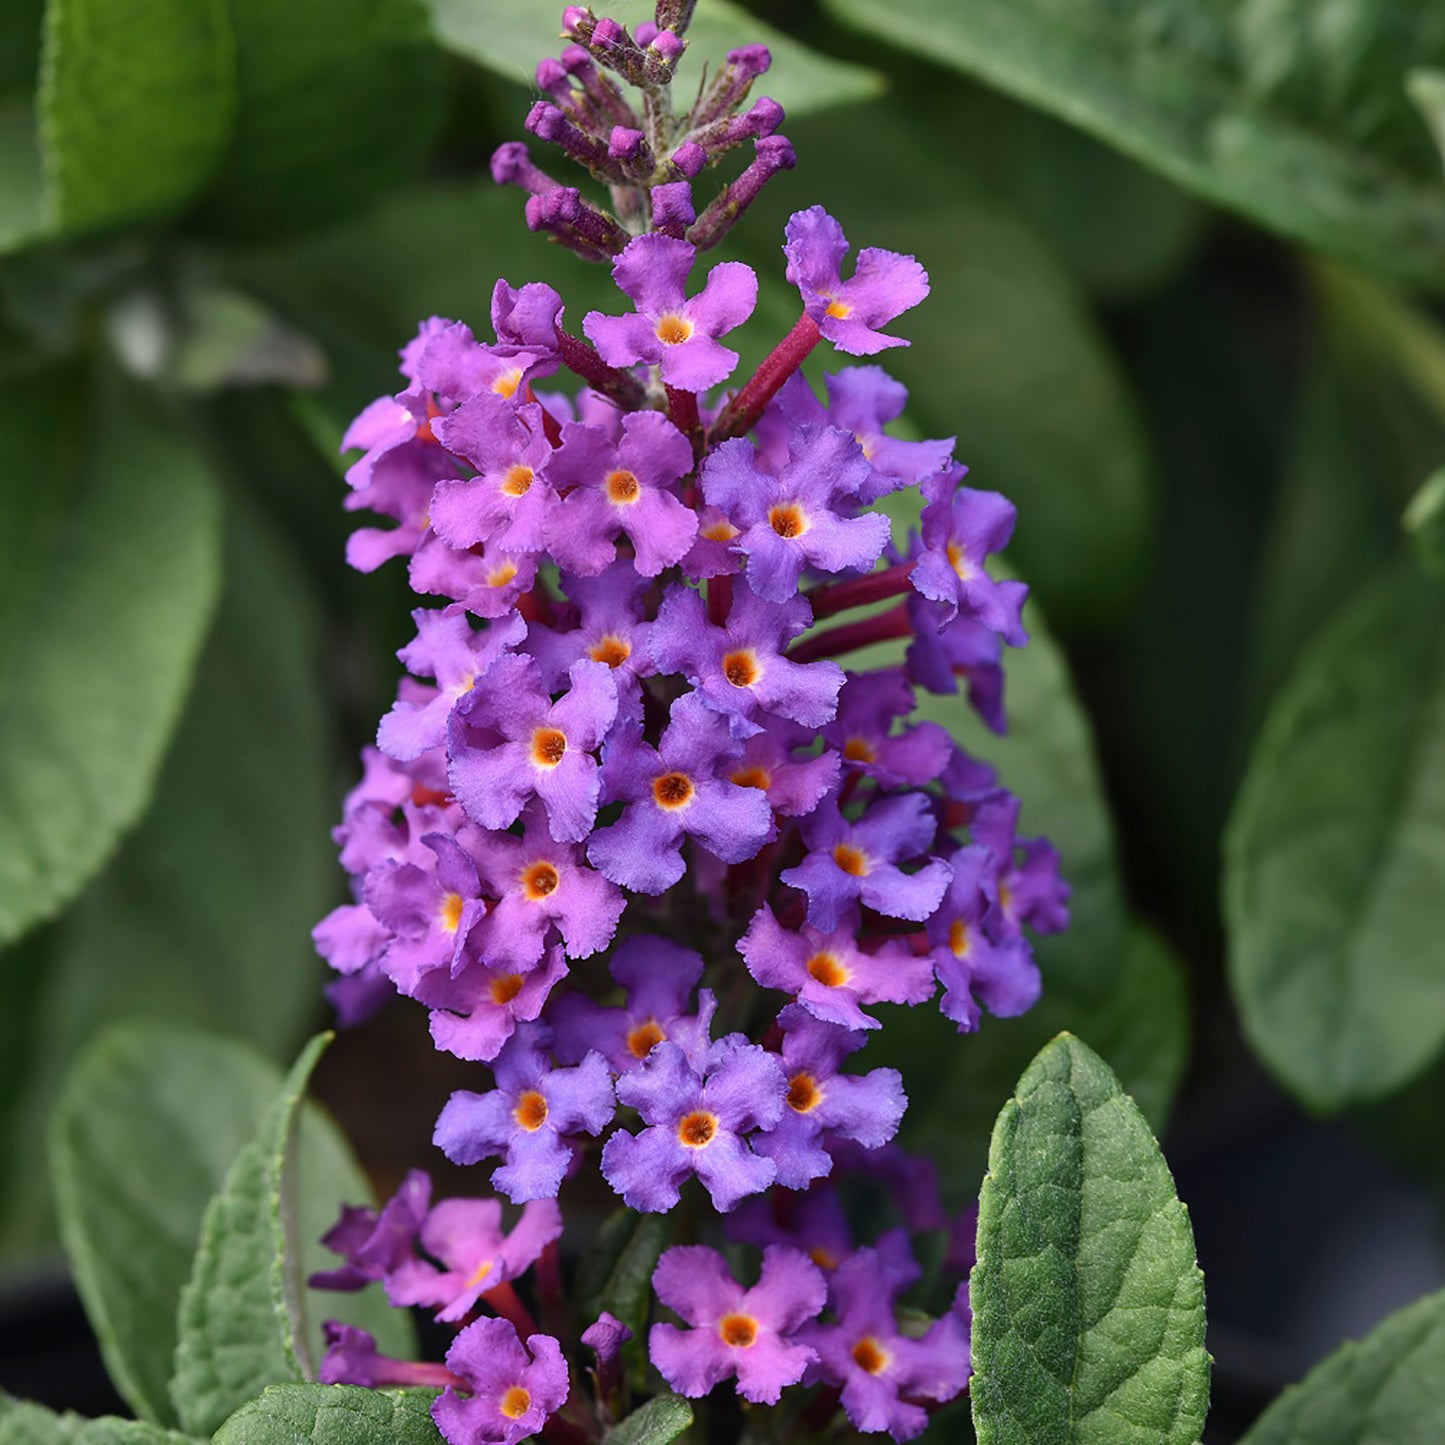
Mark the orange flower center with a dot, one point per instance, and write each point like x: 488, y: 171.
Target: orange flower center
x: 672, y: 791
x: 804, y: 1095
x: 851, y: 860
x: 506, y: 988
x: 612, y: 650
x: 741, y: 668
x: 739, y: 1331
x: 788, y: 521
x: 859, y: 750
x: 451, y: 912
x: 672, y: 329
x: 517, y: 481
x: 958, y: 938
x: 531, y: 1111
x: 640, y: 1040
x: 500, y: 576
x: 723, y: 531
x: 507, y: 383
x: 696, y: 1130
x: 539, y: 880
x: 549, y: 745
x: 870, y: 1356
x: 515, y: 1403
x: 622, y: 488
x: 839, y: 310
x: 827, y: 969
x: 752, y: 778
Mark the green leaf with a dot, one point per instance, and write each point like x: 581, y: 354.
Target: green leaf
x: 616, y: 1271
x: 21, y: 180
x: 22, y: 1423
x: 142, y: 1137
x: 241, y: 1323
x: 136, y: 106
x: 1335, y: 851
x: 1003, y: 353
x: 1425, y: 523
x: 1387, y: 1389
x: 203, y: 918
x: 332, y: 1415
x: 108, y: 572
x: 1088, y: 1306
x: 511, y: 36
x: 656, y: 1423
x: 339, y: 101
x: 1297, y: 120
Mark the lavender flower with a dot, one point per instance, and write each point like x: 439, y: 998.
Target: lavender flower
x: 512, y: 1390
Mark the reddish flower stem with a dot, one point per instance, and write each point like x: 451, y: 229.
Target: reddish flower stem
x: 682, y: 413
x: 834, y: 597
x: 582, y: 359
x: 853, y: 635
x: 504, y: 1299
x: 741, y: 414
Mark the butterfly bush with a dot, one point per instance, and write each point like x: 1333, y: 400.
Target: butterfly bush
x: 652, y: 827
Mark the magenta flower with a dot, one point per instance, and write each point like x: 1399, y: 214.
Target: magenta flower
x: 697, y: 1117
x: 862, y: 732
x: 525, y: 1118
x: 352, y: 1359
x: 544, y: 748
x: 829, y: 973
x: 849, y: 313
x: 512, y: 1390
x: 668, y: 329
x: 475, y: 1013
x: 621, y: 486
x: 732, y: 1331
x: 375, y: 1243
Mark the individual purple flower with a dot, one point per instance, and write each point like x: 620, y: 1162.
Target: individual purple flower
x: 1030, y: 890
x: 446, y: 648
x: 973, y: 968
x: 540, y: 886
x: 352, y: 1359
x: 513, y: 1389
x: 525, y: 320
x: 659, y: 978
x: 859, y: 862
x: 739, y: 669
x: 793, y: 785
x: 429, y: 912
x: 829, y: 974
x: 823, y: 1102
x: 697, y: 1115
x: 874, y: 1363
x: 606, y: 1336
x: 863, y: 400
x: 526, y: 1116
x: 732, y: 1331
x: 544, y: 748
x: 961, y: 528
x: 387, y: 814
x: 608, y: 626
x: 668, y: 329
x: 621, y: 486
x: 944, y: 650
x: 486, y: 581
x: 394, y: 479
x: 375, y: 1243
x: 351, y: 939
x: 849, y: 313
x: 797, y: 519
x: 453, y: 365
x: 868, y: 706
x: 676, y: 789
x: 511, y: 498
x: 473, y: 1253
x: 474, y: 1013
x: 812, y: 1220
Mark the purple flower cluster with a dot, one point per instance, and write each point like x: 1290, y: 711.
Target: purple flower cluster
x: 627, y: 735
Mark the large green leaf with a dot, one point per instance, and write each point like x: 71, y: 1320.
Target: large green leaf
x: 511, y: 36
x: 108, y: 571
x: 241, y: 1323
x: 332, y: 1415
x: 21, y: 180
x: 1387, y: 1389
x: 142, y: 1137
x: 1088, y: 1306
x: 1335, y: 852
x: 137, y: 103
x: 22, y: 1423
x: 203, y: 918
x: 339, y: 101
x: 1296, y: 118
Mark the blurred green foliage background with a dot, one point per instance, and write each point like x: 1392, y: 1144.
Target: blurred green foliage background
x: 1186, y: 258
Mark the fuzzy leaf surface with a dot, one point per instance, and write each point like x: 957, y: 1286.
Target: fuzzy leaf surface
x: 331, y: 1415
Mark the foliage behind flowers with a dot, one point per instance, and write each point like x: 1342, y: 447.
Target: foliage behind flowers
x: 698, y: 826
x: 629, y: 737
